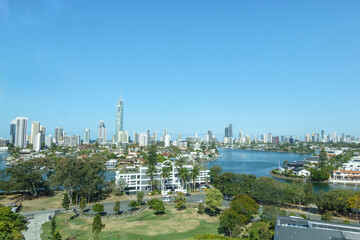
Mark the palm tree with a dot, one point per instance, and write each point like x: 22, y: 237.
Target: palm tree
x: 194, y: 174
x: 151, y: 172
x: 183, y: 174
x: 165, y: 174
x: 180, y: 162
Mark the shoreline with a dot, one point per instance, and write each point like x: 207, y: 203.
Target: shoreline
x: 279, y: 176
x: 257, y: 150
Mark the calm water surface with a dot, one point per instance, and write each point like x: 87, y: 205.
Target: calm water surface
x: 261, y: 163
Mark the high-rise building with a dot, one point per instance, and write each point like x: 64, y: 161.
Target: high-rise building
x: 210, y: 136
x: 36, y: 141
x: 123, y: 137
x: 165, y: 132
x: 42, y: 132
x: 155, y: 137
x: 20, y: 133
x: 58, y: 134
x: 136, y: 137
x: 119, y: 117
x: 101, y: 132
x: 230, y: 131
x: 322, y: 134
x: 143, y: 139
x: 241, y: 139
x: 167, y: 140
x: 179, y: 137
x: 72, y: 141
x: 226, y: 132
x: 148, y: 137
x: 48, y: 141
x: 35, y: 130
x: 86, y: 136
x: 12, y: 132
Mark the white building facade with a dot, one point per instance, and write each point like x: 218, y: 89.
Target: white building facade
x: 140, y: 181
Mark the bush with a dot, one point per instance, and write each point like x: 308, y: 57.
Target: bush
x: 151, y: 203
x: 155, y: 192
x: 201, y: 208
x: 326, y: 217
x: 346, y: 222
x: 303, y: 216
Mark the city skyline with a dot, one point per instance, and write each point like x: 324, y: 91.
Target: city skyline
x: 185, y: 66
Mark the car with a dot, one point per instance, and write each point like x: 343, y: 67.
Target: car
x: 166, y: 200
x: 199, y: 201
x: 166, y: 196
x: 187, y: 194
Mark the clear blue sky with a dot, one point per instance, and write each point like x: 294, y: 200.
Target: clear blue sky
x: 287, y: 67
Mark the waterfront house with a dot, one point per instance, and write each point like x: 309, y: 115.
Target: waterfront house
x: 111, y: 163
x: 301, y: 172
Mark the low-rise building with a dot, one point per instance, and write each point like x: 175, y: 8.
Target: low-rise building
x: 111, y: 163
x: 140, y: 181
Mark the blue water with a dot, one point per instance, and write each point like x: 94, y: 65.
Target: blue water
x: 261, y: 163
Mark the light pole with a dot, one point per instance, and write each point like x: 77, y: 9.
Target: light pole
x: 35, y: 231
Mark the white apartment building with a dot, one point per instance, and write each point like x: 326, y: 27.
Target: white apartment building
x: 349, y: 173
x: 140, y: 181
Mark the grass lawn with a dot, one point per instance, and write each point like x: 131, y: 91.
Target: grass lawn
x: 32, y: 204
x: 145, y: 225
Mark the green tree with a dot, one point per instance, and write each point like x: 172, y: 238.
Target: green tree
x: 213, y: 199
x: 194, y: 174
x: 181, y: 162
x: 326, y: 217
x: 98, y: 208
x: 244, y: 205
x: 53, y: 226
x: 97, y: 226
x: 158, y: 206
x: 117, y: 207
x: 56, y: 235
x: 165, y: 174
x: 180, y: 200
x: 11, y: 224
x: 82, y: 204
x: 140, y: 197
x: 228, y: 220
x: 215, y: 171
x: 151, y: 172
x: 184, y: 175
x: 27, y: 175
x: 134, y: 204
x: 322, y: 158
x: 261, y: 231
x: 66, y: 201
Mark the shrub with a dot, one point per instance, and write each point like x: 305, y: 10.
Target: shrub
x: 201, y: 208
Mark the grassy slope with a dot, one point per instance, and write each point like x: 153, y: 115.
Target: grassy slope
x: 146, y: 226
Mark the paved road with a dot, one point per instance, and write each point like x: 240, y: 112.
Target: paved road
x: 33, y: 230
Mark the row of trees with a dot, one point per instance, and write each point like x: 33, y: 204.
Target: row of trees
x: 268, y: 191
x: 80, y: 178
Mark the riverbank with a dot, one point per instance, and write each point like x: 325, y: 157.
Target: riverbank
x: 275, y: 175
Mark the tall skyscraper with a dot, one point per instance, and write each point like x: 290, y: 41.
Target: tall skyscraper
x: 230, y: 130
x: 165, y: 132
x: 210, y: 136
x: 102, y: 132
x: 36, y: 141
x: 148, y: 136
x: 12, y: 132
x: 35, y: 130
x: 42, y: 133
x: 155, y: 137
x: 86, y: 136
x: 58, y: 134
x: 119, y: 117
x: 20, y: 133
x: 226, y: 132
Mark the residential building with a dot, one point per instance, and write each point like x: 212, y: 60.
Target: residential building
x: 58, y: 134
x: 48, y: 141
x: 167, y: 140
x: 20, y: 133
x: 72, y: 141
x: 86, y: 136
x: 12, y: 132
x: 123, y: 137
x: 36, y: 142
x: 155, y: 137
x: 101, y: 132
x: 296, y: 228
x: 119, y: 117
x: 140, y: 181
x: 143, y: 139
x: 35, y: 130
x: 42, y: 132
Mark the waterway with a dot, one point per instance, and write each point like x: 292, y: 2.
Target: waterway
x: 260, y: 163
